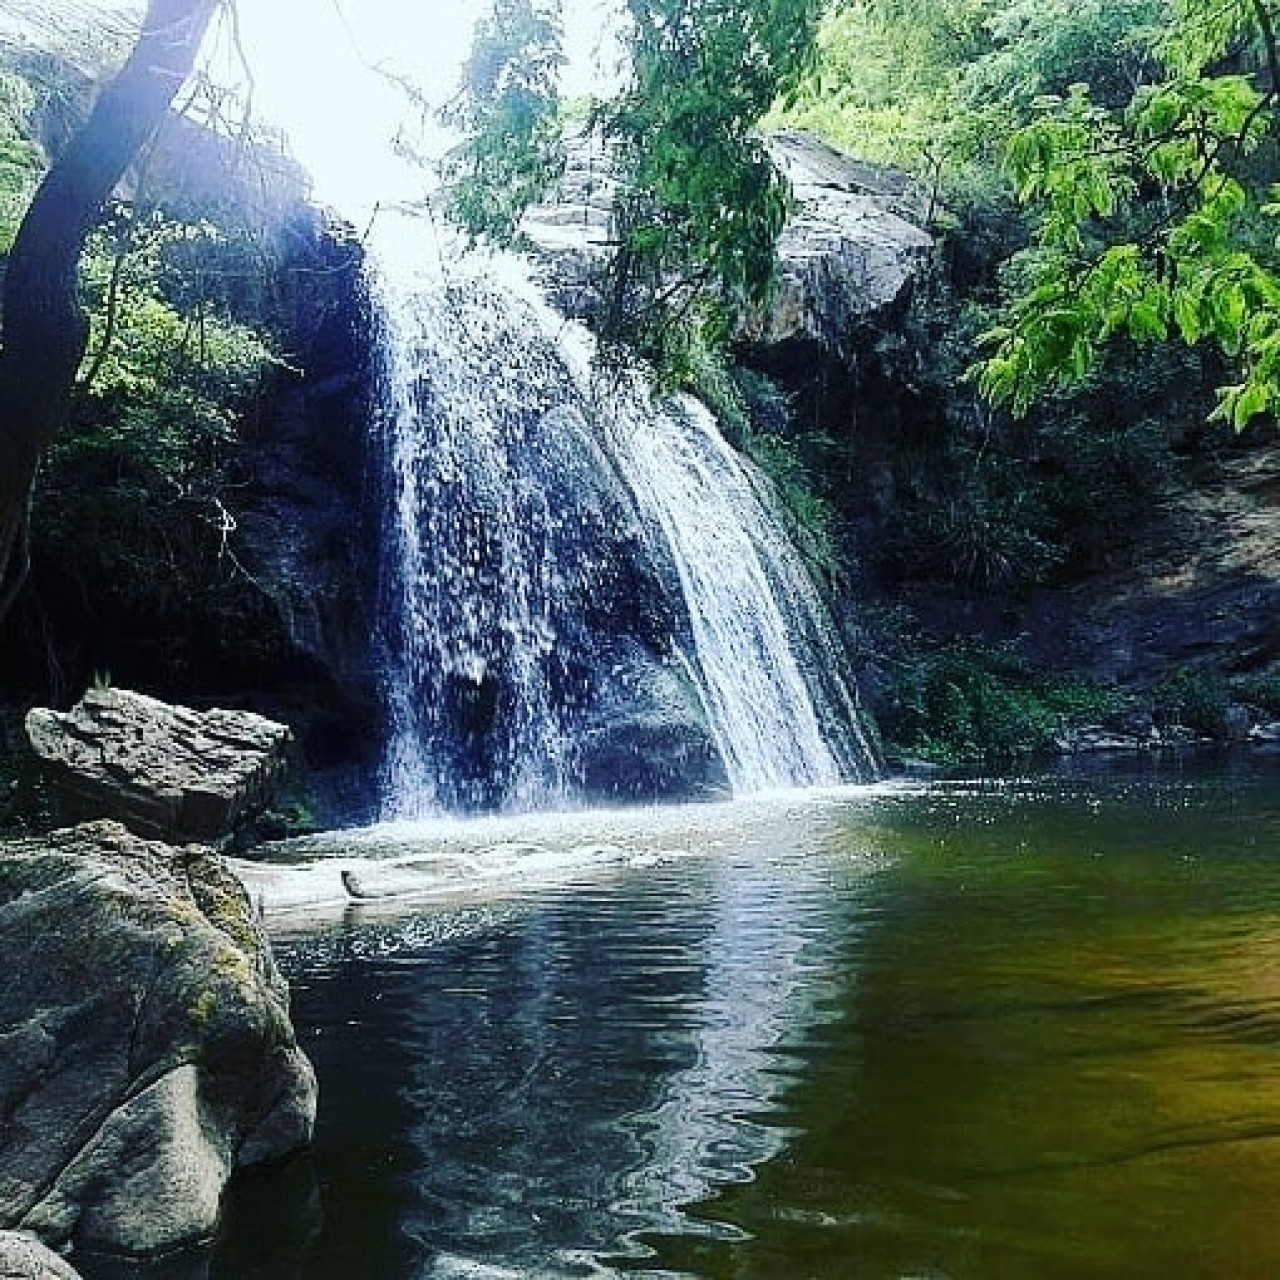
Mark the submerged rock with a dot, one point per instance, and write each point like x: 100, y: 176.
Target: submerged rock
x: 164, y: 771
x: 23, y: 1257
x: 146, y: 1049
x: 1093, y: 737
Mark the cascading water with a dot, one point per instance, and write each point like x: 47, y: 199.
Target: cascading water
x: 480, y: 679
x: 766, y: 658
x: 535, y: 512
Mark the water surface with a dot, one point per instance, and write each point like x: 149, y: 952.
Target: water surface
x: 998, y: 1029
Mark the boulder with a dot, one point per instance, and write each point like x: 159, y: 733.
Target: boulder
x: 146, y: 1050
x: 647, y: 736
x: 164, y: 771
x: 23, y: 1257
x: 848, y: 253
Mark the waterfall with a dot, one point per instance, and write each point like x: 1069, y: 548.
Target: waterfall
x: 476, y: 413
x: 765, y: 655
x: 542, y: 520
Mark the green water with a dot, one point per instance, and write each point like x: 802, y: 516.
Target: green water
x: 1017, y: 1028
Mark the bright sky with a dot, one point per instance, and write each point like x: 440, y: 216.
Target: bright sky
x: 317, y: 67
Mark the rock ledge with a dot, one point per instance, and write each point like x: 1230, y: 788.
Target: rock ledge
x: 166, y: 772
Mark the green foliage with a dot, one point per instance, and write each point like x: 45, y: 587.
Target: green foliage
x: 133, y: 523
x: 21, y: 161
x: 700, y: 205
x: 137, y: 493
x: 868, y: 91
x: 1078, y: 700
x: 992, y: 506
x: 133, y: 492
x: 509, y: 110
x: 936, y: 87
x: 975, y: 500
x: 956, y: 704
x: 165, y: 386
x: 815, y: 523
x: 981, y: 527
x: 1151, y: 223
x: 1195, y: 697
x: 1140, y: 136
x: 1038, y: 48
x: 964, y: 702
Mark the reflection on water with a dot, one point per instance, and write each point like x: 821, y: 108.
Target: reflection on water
x: 1025, y: 1029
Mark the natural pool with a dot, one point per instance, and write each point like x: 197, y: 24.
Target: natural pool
x: 1005, y: 1028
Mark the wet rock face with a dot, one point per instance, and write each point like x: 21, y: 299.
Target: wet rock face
x: 163, y: 771
x: 146, y: 1049
x: 307, y: 522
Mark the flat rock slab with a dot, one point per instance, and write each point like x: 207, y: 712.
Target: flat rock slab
x: 164, y: 771
x: 146, y: 1049
x: 23, y: 1257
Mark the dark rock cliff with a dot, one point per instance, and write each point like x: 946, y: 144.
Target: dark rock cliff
x: 278, y: 615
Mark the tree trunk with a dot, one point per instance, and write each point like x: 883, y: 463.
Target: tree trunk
x: 45, y: 329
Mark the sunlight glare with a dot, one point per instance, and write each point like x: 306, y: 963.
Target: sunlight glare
x: 325, y: 72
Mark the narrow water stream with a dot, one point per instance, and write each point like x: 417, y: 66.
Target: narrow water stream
x: 988, y: 1029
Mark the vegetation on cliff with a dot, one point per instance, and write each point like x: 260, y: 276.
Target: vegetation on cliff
x: 1097, y: 332
x: 699, y: 207
x: 180, y: 296
x: 1099, y: 325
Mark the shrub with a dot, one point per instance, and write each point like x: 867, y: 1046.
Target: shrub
x: 815, y: 524
x: 1261, y: 691
x: 968, y: 702
x: 1196, y: 697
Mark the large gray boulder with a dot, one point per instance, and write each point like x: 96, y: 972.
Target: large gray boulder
x: 146, y: 1050
x: 848, y: 254
x: 23, y: 1257
x: 647, y: 736
x: 164, y: 771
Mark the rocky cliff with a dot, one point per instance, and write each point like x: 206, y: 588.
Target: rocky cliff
x: 847, y: 257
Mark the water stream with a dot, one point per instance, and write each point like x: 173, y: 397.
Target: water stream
x: 768, y: 661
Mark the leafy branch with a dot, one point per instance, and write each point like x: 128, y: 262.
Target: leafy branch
x: 1148, y: 220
